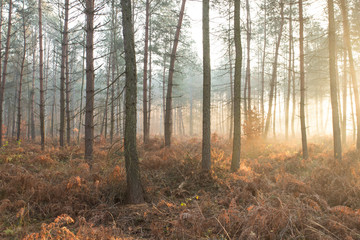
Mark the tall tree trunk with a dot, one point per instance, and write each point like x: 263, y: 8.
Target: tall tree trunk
x: 21, y: 78
x: 112, y: 108
x: 333, y: 90
x: 302, y: 83
x: 231, y: 76
x: 90, y: 75
x: 206, y: 154
x: 67, y: 96
x: 274, y: 72
x: 263, y: 69
x: 344, y: 100
x: 191, y: 118
x: 41, y: 77
x: 32, y: 106
x: 53, y: 107
x: 346, y: 26
x: 81, y: 91
x: 235, y: 162
x: 274, y: 115
x: 145, y: 79
x: 134, y: 188
x: 150, y: 78
x: 248, y: 62
x: 105, y: 117
x: 287, y: 103
x: 168, y: 111
x: 3, y: 80
x: 64, y: 53
x: 293, y: 91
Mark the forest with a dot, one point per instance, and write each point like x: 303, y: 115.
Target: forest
x: 179, y: 119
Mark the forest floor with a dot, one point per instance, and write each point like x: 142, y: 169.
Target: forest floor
x: 274, y: 195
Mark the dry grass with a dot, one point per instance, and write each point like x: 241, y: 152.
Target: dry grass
x: 274, y: 195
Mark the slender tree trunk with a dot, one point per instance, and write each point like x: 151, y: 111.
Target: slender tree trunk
x: 1, y: 94
x: 81, y: 92
x: 67, y: 92
x: 235, y: 163
x: 302, y: 84
x: 3, y: 80
x: 112, y: 109
x: 90, y: 75
x: 64, y: 53
x: 344, y: 100
x: 191, y: 118
x: 274, y: 72
x: 206, y: 154
x: 248, y: 48
x: 41, y: 72
x: 274, y: 115
x: 145, y: 79
x: 263, y: 68
x: 346, y: 26
x: 231, y: 76
x: 134, y: 188
x: 32, y: 107
x: 150, y: 79
x: 333, y: 90
x: 168, y: 111
x: 352, y: 113
x: 53, y: 107
x: 105, y: 117
x: 21, y: 79
x: 287, y: 103
x: 14, y: 109
x: 293, y: 91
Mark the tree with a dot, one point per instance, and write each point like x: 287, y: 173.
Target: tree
x: 64, y: 53
x: 3, y: 80
x: 348, y: 48
x: 206, y: 144
x: 41, y: 77
x: 247, y: 103
x: 333, y: 85
x: 302, y: 83
x: 235, y: 163
x: 134, y: 188
x: 168, y: 110
x: 287, y: 103
x: 145, y: 79
x: 90, y: 75
x: 21, y: 75
x: 274, y: 71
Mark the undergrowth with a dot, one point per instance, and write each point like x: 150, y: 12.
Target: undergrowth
x: 274, y: 195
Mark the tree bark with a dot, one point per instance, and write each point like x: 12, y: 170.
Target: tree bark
x: 90, y: 75
x: 274, y: 72
x: 346, y: 26
x: 287, y: 103
x: 134, y: 188
x: 64, y: 53
x: 3, y: 80
x: 263, y: 69
x: 206, y: 143
x: 168, y: 111
x: 41, y: 77
x: 302, y: 84
x: 333, y: 85
x: 235, y: 163
x: 21, y: 79
x: 248, y: 62
x: 344, y: 118
x: 81, y: 92
x: 145, y: 79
